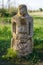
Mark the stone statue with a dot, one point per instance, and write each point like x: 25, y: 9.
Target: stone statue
x: 22, y: 32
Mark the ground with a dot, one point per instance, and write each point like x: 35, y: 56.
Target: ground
x: 36, y: 58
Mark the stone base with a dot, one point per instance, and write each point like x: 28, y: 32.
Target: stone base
x: 22, y: 49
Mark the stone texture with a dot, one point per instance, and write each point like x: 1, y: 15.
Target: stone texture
x: 22, y: 32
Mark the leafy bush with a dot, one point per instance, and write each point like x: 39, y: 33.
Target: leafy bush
x: 6, y: 12
x: 10, y: 54
x: 40, y: 9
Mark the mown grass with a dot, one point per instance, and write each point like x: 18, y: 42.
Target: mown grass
x: 5, y: 42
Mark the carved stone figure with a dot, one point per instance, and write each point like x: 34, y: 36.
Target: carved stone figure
x: 22, y: 32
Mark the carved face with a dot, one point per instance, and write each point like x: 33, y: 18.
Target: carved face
x: 22, y: 10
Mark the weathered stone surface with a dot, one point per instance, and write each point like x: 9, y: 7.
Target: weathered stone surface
x: 22, y: 32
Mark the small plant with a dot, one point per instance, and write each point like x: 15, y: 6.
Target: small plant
x: 10, y: 54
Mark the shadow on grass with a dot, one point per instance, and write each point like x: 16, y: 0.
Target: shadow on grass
x: 38, y: 46
x: 38, y: 42
x: 4, y: 44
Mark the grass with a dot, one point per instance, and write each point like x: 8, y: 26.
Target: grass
x: 5, y: 42
x: 5, y: 19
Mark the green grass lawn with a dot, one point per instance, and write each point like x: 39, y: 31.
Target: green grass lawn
x: 5, y: 41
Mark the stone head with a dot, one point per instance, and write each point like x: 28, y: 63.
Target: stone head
x: 22, y: 9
